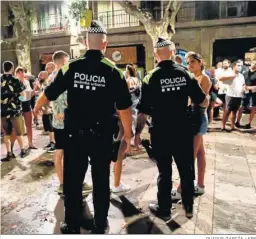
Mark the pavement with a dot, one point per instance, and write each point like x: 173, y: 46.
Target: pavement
x: 30, y: 204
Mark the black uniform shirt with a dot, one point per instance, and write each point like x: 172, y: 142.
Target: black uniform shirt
x: 165, y: 92
x: 95, y: 86
x: 250, y: 78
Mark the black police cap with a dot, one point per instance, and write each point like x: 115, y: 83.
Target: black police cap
x: 97, y: 27
x: 161, y: 42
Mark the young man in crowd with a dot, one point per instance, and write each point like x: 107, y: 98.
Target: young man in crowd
x: 249, y: 99
x: 26, y: 105
x: 50, y: 67
x: 12, y: 90
x: 234, y: 93
x: 61, y: 58
x: 220, y: 75
x: 44, y: 81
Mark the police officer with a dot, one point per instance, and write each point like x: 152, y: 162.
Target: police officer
x: 95, y: 88
x: 165, y: 93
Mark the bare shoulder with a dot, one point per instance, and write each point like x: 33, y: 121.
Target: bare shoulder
x: 205, y: 83
x: 206, y: 79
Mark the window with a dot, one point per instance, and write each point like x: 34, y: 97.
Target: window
x: 232, y: 11
x: 207, y: 10
x: 154, y: 7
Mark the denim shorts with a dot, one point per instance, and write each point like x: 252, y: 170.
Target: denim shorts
x: 200, y: 120
x: 204, y: 122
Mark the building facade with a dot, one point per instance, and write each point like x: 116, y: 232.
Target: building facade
x: 215, y: 29
x: 52, y: 29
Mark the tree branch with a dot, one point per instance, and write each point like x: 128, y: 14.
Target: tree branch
x: 173, y: 10
x: 169, y: 18
x: 143, y: 16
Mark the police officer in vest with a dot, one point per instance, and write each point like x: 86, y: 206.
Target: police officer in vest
x: 95, y: 88
x: 165, y: 93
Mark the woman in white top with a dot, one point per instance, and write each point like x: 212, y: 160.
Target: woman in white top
x: 26, y: 104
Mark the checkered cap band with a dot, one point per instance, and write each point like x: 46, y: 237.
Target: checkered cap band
x: 163, y: 43
x: 97, y: 27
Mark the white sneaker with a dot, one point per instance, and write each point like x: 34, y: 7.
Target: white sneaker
x: 176, y: 195
x: 199, y: 190
x: 121, y: 188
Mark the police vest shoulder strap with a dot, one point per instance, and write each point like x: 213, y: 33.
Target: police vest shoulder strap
x: 149, y: 75
x: 65, y: 68
x: 112, y: 65
x: 108, y: 62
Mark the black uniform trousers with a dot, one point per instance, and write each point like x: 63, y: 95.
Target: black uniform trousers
x: 168, y: 144
x: 80, y: 146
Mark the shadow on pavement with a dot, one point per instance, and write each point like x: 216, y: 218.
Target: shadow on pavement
x: 60, y: 216
x: 7, y: 167
x: 135, y: 221
x: 41, y: 167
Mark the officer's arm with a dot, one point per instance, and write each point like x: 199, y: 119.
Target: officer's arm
x: 144, y: 105
x: 123, y: 104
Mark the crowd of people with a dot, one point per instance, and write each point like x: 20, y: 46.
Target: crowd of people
x: 89, y: 105
x: 233, y: 89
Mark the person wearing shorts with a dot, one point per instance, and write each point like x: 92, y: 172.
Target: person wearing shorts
x: 199, y: 122
x: 133, y: 84
x: 26, y: 104
x: 249, y: 99
x: 219, y: 74
x: 32, y: 81
x: 55, y: 123
x: 234, y: 95
x: 11, y: 119
x: 214, y: 100
x: 47, y: 117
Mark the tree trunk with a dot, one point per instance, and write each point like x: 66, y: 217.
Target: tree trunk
x: 22, y: 34
x: 154, y: 28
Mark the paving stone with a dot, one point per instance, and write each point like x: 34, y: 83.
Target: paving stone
x: 228, y: 205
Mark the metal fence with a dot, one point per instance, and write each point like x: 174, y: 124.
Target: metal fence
x: 117, y: 19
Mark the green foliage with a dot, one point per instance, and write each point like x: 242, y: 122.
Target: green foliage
x: 76, y: 9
